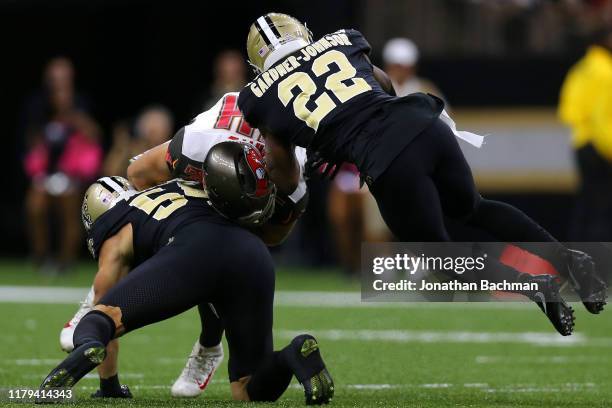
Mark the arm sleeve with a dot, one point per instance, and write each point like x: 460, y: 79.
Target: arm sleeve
x: 180, y: 165
x: 358, y: 40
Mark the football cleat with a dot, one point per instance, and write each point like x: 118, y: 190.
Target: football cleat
x: 79, y: 362
x: 304, y: 359
x: 199, y: 370
x: 583, y: 278
x: 548, y: 299
x: 68, y: 330
x: 123, y: 392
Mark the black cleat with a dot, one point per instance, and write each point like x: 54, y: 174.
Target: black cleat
x: 123, y: 392
x: 79, y: 362
x: 583, y: 278
x: 305, y: 361
x: 548, y: 299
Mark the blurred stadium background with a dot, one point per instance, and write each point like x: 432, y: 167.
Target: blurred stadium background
x: 87, y: 85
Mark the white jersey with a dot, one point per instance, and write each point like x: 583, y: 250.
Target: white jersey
x: 221, y: 123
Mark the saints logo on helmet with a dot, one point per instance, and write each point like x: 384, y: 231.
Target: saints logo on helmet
x: 101, y: 196
x: 274, y: 36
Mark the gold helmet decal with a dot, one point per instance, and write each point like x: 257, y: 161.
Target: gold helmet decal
x: 100, y: 197
x: 274, y: 36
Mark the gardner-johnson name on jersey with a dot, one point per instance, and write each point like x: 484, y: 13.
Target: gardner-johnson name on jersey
x: 264, y: 81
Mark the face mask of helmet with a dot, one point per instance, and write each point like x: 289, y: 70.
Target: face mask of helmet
x: 237, y: 183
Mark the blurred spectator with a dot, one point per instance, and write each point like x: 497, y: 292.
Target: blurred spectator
x: 154, y: 126
x: 346, y: 213
x: 230, y: 75
x: 63, y: 155
x: 401, y: 57
x: 354, y: 218
x: 586, y: 106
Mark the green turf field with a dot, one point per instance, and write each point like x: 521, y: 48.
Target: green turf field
x: 425, y: 355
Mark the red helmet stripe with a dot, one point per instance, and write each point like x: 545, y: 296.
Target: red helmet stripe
x: 256, y: 163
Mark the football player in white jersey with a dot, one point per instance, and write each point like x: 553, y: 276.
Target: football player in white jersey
x: 182, y: 157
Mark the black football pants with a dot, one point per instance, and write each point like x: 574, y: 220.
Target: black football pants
x: 430, y: 180
x: 206, y: 262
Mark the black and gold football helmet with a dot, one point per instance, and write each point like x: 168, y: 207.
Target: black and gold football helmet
x: 273, y: 36
x: 101, y: 196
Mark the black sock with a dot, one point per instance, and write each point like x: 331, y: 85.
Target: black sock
x: 212, y: 328
x: 498, y: 272
x: 95, y: 326
x: 270, y: 380
x: 110, y: 385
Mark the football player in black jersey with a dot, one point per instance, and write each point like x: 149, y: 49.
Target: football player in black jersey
x: 188, y: 254
x: 325, y: 95
x: 183, y: 158
x: 99, y: 198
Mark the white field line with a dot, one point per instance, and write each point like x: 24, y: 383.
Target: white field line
x: 485, y: 387
x: 66, y: 295
x: 90, y: 376
x: 33, y: 361
x: 420, y: 336
x: 511, y: 388
x: 575, y: 359
x: 525, y: 388
x: 538, y: 339
x: 135, y: 387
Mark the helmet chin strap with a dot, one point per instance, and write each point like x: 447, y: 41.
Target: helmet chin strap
x: 283, y: 50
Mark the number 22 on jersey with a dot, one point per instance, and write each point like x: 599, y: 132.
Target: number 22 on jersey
x: 342, y: 84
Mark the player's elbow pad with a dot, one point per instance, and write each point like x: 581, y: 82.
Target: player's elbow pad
x: 286, y: 210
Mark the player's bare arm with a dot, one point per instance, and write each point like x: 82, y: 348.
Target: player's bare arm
x: 286, y: 213
x: 114, y: 261
x: 150, y: 168
x: 281, y: 163
x: 382, y: 78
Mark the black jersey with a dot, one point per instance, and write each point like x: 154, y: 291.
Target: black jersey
x: 155, y: 215
x: 322, y: 96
